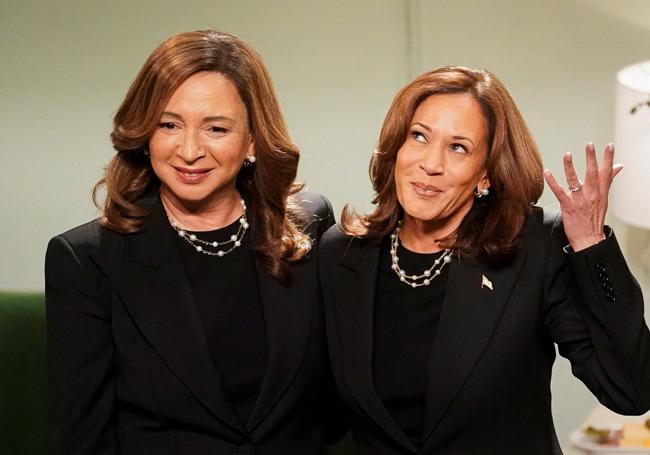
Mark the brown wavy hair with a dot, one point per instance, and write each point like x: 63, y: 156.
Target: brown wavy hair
x: 514, y: 167
x: 268, y: 186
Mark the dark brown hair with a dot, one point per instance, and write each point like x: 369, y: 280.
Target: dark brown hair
x: 267, y: 186
x: 514, y: 166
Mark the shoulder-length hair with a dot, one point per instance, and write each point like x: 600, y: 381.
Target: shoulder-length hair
x: 268, y: 186
x: 513, y: 163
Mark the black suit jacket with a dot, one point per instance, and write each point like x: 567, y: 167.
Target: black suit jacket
x: 490, y: 366
x: 130, y: 370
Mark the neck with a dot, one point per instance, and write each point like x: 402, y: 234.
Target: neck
x: 200, y: 216
x: 422, y: 236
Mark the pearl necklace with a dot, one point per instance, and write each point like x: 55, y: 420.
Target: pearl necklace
x: 414, y: 280
x: 230, y: 244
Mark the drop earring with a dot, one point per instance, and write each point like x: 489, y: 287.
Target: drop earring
x: 250, y: 160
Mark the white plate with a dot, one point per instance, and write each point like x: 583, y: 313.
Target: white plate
x: 579, y: 440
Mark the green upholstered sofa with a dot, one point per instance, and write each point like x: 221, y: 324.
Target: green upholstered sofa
x: 23, y: 403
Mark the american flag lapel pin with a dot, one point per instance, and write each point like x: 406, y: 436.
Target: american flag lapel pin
x: 485, y: 283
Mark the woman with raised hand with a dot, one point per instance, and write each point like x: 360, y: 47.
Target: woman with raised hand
x: 187, y: 319
x: 445, y: 303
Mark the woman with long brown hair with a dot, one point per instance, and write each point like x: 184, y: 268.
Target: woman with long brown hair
x: 444, y: 304
x: 187, y: 319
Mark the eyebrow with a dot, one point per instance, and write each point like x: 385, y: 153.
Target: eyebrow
x: 212, y: 118
x: 422, y: 125
x: 456, y: 138
x: 463, y: 138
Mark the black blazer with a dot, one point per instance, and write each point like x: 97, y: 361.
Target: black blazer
x: 490, y: 366
x: 130, y: 370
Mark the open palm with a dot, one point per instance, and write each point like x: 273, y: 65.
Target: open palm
x: 584, y: 204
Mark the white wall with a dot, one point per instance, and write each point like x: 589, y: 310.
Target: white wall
x: 336, y: 66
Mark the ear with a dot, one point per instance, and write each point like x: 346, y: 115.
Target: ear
x: 251, y: 148
x: 484, y: 181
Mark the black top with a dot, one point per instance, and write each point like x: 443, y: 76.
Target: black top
x: 405, y: 324
x: 227, y: 294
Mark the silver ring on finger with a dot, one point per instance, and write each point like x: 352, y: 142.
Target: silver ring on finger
x: 576, y: 188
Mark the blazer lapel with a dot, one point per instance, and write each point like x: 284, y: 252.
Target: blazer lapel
x: 475, y: 298
x: 353, y: 297
x: 151, y: 281
x: 287, y: 316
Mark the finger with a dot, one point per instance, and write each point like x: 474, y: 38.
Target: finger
x: 606, y: 173
x: 555, y: 187
x: 608, y: 157
x: 616, y: 169
x: 570, y: 172
x: 591, y: 163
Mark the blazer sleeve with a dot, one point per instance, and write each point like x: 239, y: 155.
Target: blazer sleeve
x: 595, y: 315
x: 81, y: 371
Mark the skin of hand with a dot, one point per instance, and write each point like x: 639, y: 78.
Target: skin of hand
x: 583, y: 210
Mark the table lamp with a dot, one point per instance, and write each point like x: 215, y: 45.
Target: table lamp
x: 630, y: 198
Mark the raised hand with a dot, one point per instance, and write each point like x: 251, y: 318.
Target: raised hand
x: 584, y: 203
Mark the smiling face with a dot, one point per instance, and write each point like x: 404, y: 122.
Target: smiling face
x: 442, y: 161
x: 201, y: 142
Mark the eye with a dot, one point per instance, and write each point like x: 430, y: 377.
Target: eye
x: 217, y: 129
x: 458, y: 148
x: 167, y: 125
x: 418, y: 136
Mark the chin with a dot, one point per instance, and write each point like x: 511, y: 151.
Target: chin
x: 420, y: 211
x: 189, y: 195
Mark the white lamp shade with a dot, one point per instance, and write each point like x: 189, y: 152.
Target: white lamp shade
x: 630, y: 198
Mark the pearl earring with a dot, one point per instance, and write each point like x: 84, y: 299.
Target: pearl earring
x: 250, y: 160
x: 481, y: 193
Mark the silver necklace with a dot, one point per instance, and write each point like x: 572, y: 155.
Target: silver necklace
x: 218, y: 249
x: 415, y: 281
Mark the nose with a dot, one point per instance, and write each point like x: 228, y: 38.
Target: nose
x: 432, y: 161
x: 190, y: 148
